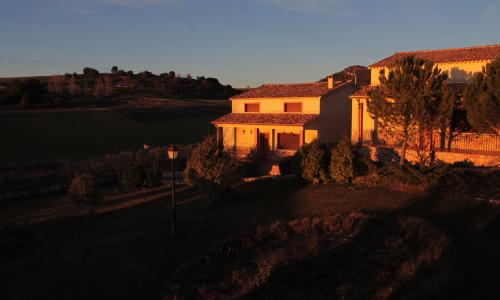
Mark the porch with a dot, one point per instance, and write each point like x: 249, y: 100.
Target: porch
x: 266, y: 133
x: 266, y: 141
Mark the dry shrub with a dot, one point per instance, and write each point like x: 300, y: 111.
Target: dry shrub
x: 313, y: 162
x: 342, y: 162
x: 212, y: 168
x: 355, y: 256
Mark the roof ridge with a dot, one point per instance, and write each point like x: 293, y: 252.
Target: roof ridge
x: 295, y: 83
x: 449, y: 49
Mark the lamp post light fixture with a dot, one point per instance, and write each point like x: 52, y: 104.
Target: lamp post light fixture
x: 172, y: 153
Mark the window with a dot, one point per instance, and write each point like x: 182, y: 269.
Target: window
x: 288, y: 141
x: 293, y: 107
x: 252, y: 107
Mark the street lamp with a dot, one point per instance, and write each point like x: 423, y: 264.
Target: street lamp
x: 172, y: 154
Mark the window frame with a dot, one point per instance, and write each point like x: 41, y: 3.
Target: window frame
x: 246, y: 105
x: 294, y: 103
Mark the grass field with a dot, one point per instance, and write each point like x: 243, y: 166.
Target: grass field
x: 38, y: 136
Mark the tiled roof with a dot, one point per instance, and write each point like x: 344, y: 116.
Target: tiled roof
x: 477, y: 53
x: 315, y: 89
x: 265, y: 119
x: 363, y: 92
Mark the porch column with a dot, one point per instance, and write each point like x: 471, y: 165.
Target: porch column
x: 234, y: 138
x: 360, y: 121
x: 257, y: 143
x: 273, y: 139
x: 302, y: 137
x: 219, y: 136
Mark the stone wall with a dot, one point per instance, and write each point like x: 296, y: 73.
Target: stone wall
x: 387, y: 154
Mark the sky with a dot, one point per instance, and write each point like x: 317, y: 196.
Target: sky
x: 242, y: 43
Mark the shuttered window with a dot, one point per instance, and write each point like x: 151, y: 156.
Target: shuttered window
x: 252, y: 107
x: 293, y: 107
x: 288, y: 141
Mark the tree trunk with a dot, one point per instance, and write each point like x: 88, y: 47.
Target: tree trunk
x: 403, y: 149
x: 450, y: 138
x: 431, y: 146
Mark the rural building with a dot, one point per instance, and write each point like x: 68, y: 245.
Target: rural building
x: 282, y: 117
x: 460, y: 64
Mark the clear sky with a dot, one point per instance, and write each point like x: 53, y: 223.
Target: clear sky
x: 240, y: 42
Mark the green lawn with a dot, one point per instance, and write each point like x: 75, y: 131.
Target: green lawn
x: 38, y: 136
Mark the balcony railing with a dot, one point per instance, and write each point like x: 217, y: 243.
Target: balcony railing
x: 460, y: 142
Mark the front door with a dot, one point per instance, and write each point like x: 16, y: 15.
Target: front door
x: 263, y: 145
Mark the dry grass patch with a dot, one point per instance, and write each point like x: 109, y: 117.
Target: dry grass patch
x: 354, y: 256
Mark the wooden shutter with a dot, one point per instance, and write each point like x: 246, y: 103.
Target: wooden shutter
x: 293, y: 107
x: 252, y: 107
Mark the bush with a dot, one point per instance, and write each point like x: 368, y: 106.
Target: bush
x: 313, y: 162
x: 286, y: 165
x: 463, y: 164
x: 84, y: 189
x: 211, y: 168
x: 342, y: 163
x: 250, y: 163
x: 133, y: 174
x: 154, y: 173
x: 59, y: 101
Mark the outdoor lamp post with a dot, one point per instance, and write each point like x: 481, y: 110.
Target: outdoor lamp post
x: 172, y: 154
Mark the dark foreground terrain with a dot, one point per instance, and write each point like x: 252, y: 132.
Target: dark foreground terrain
x: 127, y: 254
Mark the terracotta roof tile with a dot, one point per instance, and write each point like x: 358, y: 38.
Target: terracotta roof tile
x: 315, y: 89
x: 363, y: 92
x: 477, y: 53
x: 265, y: 119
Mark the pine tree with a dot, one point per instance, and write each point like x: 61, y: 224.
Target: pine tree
x: 401, y: 87
x: 410, y: 98
x: 376, y: 104
x: 430, y: 107
x: 482, y: 99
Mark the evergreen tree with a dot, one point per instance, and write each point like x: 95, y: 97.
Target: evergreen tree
x: 401, y: 87
x: 376, y: 104
x: 430, y: 107
x: 410, y: 98
x: 449, y: 103
x: 482, y: 99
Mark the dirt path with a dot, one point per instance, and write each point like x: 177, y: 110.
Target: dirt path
x: 63, y: 207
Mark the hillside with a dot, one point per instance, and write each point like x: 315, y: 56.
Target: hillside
x: 59, y: 90
x: 362, y: 73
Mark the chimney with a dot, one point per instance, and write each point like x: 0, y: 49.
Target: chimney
x: 331, y: 83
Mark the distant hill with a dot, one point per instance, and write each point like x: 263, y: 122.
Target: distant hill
x: 362, y: 74
x: 7, y: 80
x: 59, y: 89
